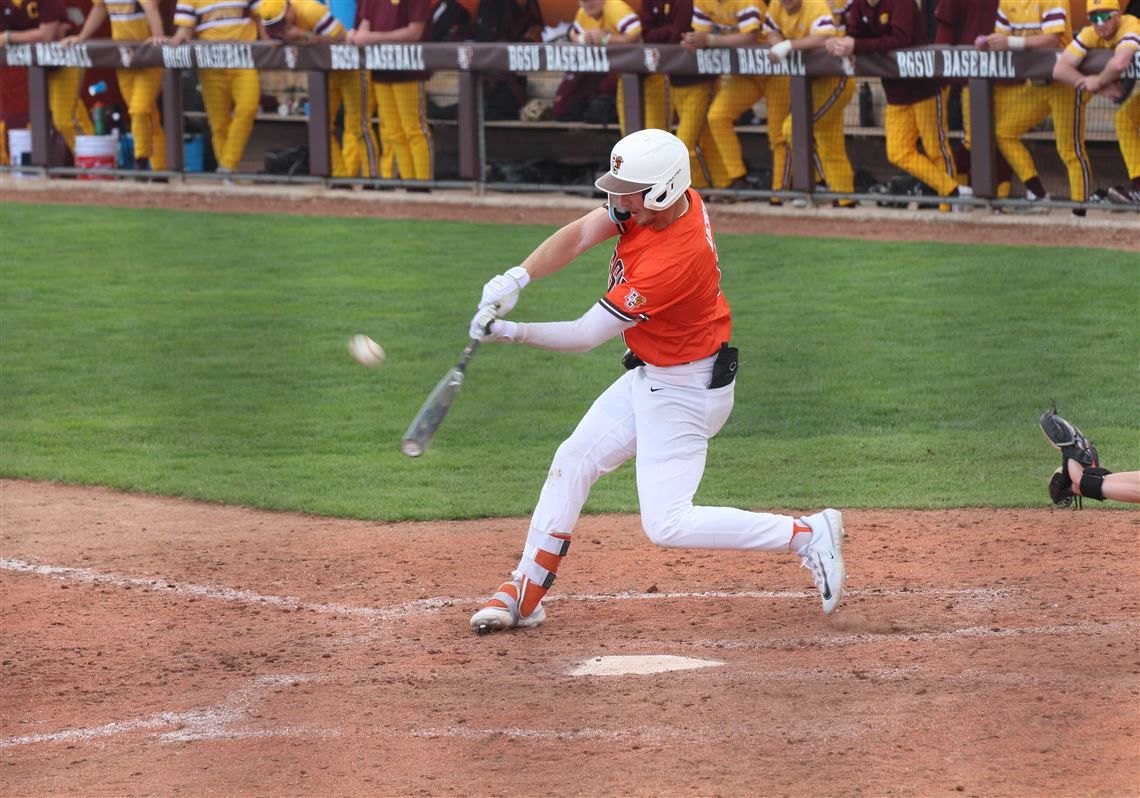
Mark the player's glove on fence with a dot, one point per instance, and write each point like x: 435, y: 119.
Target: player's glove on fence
x: 503, y: 289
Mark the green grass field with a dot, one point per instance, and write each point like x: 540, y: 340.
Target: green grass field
x: 203, y: 355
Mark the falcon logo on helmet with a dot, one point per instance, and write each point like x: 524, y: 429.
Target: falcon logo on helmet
x: 653, y: 162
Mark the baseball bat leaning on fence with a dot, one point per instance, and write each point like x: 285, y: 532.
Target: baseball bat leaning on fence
x: 435, y: 407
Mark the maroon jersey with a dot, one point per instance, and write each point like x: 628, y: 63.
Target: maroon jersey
x: 389, y: 15
x: 891, y: 25
x: 963, y: 21
x: 28, y: 14
x: 665, y: 22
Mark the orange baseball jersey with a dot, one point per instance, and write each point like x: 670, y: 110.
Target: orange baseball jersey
x: 814, y: 17
x: 668, y: 282
x: 128, y: 21
x: 217, y: 20
x: 1127, y: 34
x: 1034, y: 17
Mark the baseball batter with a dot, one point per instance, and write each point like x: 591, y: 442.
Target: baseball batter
x: 1038, y: 24
x: 134, y: 21
x: 1110, y: 30
x: 664, y: 299
x: 231, y: 96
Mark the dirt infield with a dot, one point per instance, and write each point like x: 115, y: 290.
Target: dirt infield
x: 154, y: 646
x: 159, y: 647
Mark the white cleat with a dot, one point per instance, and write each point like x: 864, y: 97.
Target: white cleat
x: 824, y: 556
x: 502, y: 612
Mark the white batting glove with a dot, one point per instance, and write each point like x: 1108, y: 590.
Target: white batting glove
x: 487, y: 326
x: 503, y: 289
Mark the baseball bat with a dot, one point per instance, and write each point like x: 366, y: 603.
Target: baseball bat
x: 434, y: 409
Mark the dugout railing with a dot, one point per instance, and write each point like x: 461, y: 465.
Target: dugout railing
x: 470, y: 60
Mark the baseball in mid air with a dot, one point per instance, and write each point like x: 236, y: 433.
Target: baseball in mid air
x: 366, y: 351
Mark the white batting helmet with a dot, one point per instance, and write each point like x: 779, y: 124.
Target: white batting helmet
x: 653, y: 161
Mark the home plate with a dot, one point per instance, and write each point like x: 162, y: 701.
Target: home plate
x: 620, y: 666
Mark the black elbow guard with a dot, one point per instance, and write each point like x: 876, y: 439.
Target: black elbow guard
x: 1092, y: 483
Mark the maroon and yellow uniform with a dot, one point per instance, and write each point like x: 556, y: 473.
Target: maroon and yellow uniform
x: 32, y: 20
x: 686, y: 96
x: 1021, y: 107
x: 231, y: 96
x: 400, y: 97
x: 916, y: 109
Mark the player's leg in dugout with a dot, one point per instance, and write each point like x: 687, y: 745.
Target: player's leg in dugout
x: 778, y: 102
x: 68, y: 113
x: 140, y: 88
x: 655, y: 101
x: 830, y: 97
x: 1017, y: 109
x: 1069, y: 117
x: 1127, y: 125
x: 705, y: 162
x: 413, y: 140
x: 734, y: 95
x: 905, y: 125
x: 218, y: 101
x: 338, y: 87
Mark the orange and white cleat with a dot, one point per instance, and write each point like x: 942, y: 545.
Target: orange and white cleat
x: 501, y: 611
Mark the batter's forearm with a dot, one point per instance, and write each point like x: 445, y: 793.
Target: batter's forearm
x: 593, y: 329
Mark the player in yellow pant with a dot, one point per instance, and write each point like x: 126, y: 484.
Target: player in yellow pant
x: 1109, y: 29
x: 231, y: 96
x: 404, y: 127
x: 140, y: 88
x: 68, y: 112
x: 706, y: 162
x: 728, y: 24
x: 829, y: 98
x: 361, y: 150
x: 779, y: 104
x: 1021, y: 108
x: 134, y: 21
x: 926, y: 120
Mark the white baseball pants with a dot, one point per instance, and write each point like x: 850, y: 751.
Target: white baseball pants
x: 663, y: 416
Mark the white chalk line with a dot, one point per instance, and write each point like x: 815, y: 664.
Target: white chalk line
x: 419, y: 606
x: 210, y: 723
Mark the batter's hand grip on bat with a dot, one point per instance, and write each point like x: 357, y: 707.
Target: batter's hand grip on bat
x: 434, y: 409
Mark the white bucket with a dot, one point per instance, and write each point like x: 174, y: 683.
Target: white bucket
x: 96, y: 152
x: 20, y: 149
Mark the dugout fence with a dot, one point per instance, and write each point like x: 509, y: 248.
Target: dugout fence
x: 461, y: 65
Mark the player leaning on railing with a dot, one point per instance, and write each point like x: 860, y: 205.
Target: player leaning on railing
x: 1110, y: 30
x: 134, y: 21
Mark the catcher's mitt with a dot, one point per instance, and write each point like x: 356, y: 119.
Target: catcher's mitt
x: 1070, y: 440
x: 1061, y: 490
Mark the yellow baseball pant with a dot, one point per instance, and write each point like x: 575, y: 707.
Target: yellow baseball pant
x: 779, y: 106
x: 926, y: 120
x: 1003, y: 188
x: 1127, y: 121
x: 68, y: 113
x: 1017, y: 109
x: 735, y: 94
x: 231, y: 97
x: 706, y: 163
x: 404, y: 128
x: 140, y: 88
x: 829, y: 98
x: 656, y: 97
x: 360, y: 151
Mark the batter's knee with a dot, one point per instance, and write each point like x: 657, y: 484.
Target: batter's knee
x: 662, y: 527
